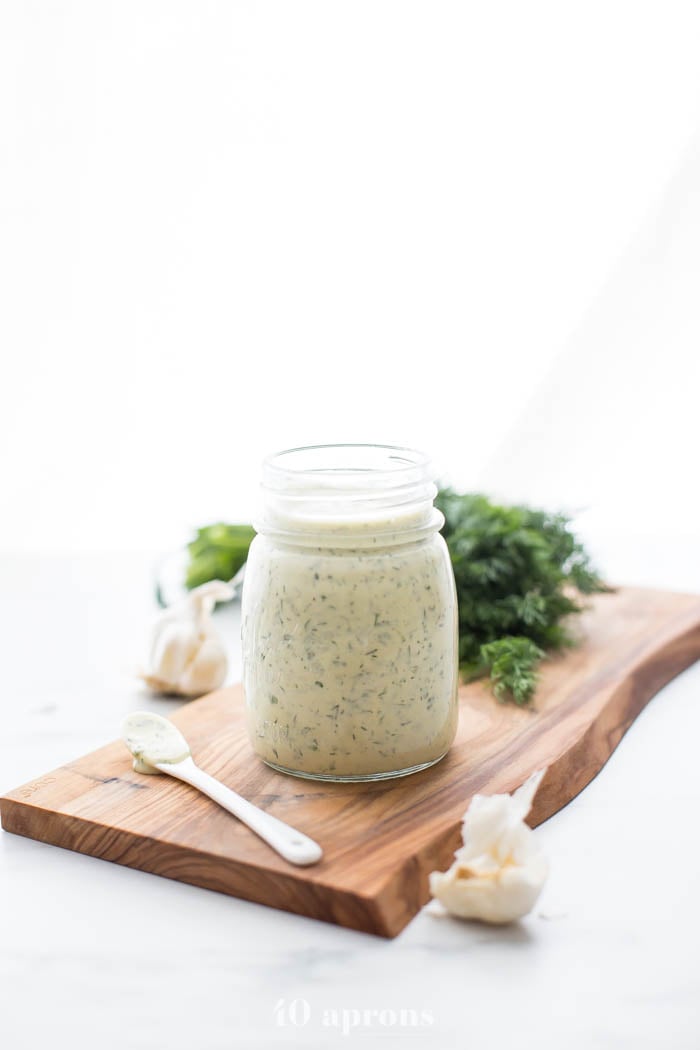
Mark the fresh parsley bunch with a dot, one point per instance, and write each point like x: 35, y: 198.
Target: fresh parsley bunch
x: 520, y: 572
x: 217, y: 553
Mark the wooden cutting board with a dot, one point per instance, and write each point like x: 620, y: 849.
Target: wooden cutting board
x: 381, y: 839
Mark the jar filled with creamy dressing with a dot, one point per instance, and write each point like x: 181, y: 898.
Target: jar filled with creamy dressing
x: 349, y: 618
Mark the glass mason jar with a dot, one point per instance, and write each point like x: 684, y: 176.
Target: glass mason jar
x: 349, y: 616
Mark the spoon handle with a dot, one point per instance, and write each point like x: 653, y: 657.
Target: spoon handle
x: 287, y: 841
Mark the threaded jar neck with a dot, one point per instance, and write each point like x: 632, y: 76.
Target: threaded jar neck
x: 348, y: 496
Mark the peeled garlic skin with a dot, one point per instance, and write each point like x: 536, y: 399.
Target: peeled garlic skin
x: 501, y: 896
x: 499, y: 872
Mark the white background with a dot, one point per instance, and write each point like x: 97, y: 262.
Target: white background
x: 229, y: 228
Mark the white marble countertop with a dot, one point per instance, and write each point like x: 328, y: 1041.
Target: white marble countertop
x: 92, y: 954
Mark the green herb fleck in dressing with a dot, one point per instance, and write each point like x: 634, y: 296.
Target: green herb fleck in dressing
x: 152, y: 739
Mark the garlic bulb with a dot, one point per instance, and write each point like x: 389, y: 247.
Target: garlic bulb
x: 187, y: 656
x: 498, y: 873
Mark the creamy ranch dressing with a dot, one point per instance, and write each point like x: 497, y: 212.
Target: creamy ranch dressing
x: 350, y: 648
x: 152, y: 739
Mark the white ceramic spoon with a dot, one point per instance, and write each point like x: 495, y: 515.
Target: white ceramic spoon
x: 159, y: 747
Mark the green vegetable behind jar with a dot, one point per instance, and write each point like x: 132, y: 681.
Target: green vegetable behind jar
x: 350, y: 616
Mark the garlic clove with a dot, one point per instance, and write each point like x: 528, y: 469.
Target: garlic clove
x: 174, y: 646
x: 207, y: 671
x: 187, y: 656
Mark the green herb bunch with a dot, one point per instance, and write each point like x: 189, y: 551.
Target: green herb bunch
x: 520, y: 573
x: 217, y: 553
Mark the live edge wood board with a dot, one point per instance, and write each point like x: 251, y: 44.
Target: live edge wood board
x: 380, y: 840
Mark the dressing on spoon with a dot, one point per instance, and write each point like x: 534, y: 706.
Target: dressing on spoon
x: 159, y: 747
x: 152, y: 739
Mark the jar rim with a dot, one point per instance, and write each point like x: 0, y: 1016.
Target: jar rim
x: 346, y: 467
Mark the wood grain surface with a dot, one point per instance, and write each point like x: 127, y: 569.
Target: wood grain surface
x: 381, y: 839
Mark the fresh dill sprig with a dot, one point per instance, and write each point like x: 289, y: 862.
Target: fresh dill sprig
x: 511, y: 664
